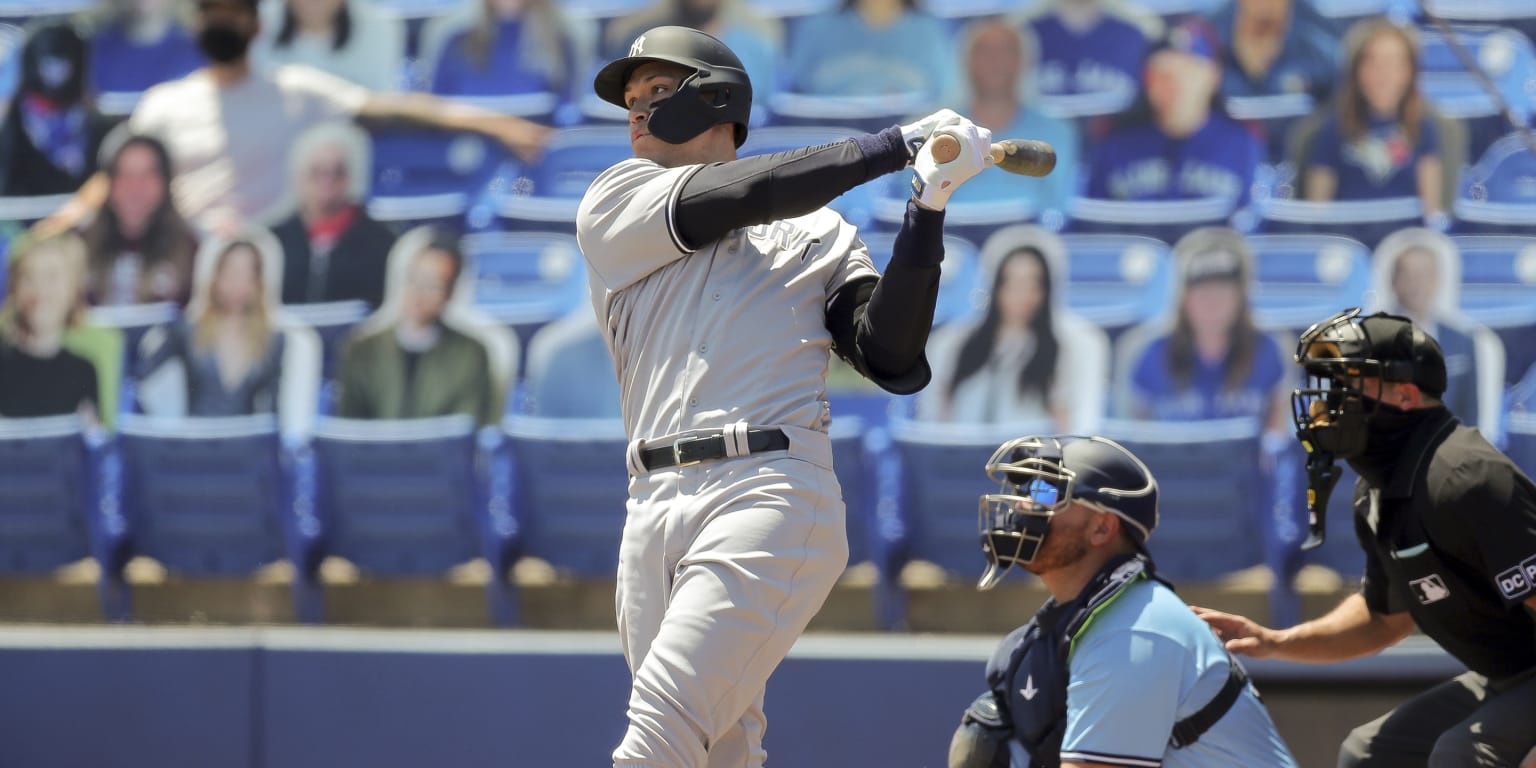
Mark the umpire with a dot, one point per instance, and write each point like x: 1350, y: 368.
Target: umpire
x: 1448, y: 525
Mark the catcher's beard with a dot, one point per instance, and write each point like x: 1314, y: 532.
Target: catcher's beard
x: 1065, y: 544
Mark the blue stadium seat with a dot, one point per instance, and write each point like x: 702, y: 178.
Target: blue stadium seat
x: 1498, y: 194
x: 546, y: 198
x: 868, y: 114
x: 1171, y: 10
x: 930, y: 483
x: 523, y: 278
x: 51, y: 505
x: 22, y: 11
x: 790, y: 9
x: 331, y: 321
x: 1515, y: 14
x: 429, y: 177
x: 133, y: 321
x: 1520, y: 429
x: 1274, y: 115
x: 1505, y: 55
x: 212, y: 496
x: 1116, y: 281
x: 858, y: 205
x: 1209, y: 490
x: 1343, y: 13
x: 29, y: 209
x: 405, y: 498
x: 11, y: 39
x: 1166, y: 220
x: 1300, y: 279
x: 1498, y: 290
x: 1368, y: 221
x: 569, y: 486
x: 570, y: 372
x: 959, y: 280
x: 855, y: 473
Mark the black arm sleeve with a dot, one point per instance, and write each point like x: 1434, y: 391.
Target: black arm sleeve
x: 757, y: 190
x: 880, y: 327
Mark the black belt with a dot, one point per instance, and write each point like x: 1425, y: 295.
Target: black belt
x: 688, y: 451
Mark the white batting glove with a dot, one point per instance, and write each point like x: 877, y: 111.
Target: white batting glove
x: 933, y: 182
x: 914, y: 134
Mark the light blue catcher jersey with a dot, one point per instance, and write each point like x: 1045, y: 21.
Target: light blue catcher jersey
x: 1143, y: 663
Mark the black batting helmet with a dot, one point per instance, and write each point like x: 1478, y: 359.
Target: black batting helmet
x: 1041, y: 476
x: 717, y: 91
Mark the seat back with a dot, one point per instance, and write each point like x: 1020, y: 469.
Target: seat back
x: 942, y: 477
x: 425, y: 177
x: 1209, y: 493
x: 43, y: 494
x: 1498, y: 290
x: 1300, y: 279
x: 1368, y: 221
x: 570, y: 487
x: 1498, y: 193
x: 1165, y: 220
x: 523, y: 278
x: 331, y: 322
x: 399, y: 497
x: 1116, y: 281
x: 547, y: 197
x: 205, y: 496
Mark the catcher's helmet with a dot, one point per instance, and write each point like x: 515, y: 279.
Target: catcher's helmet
x: 1040, y: 476
x: 716, y: 92
x: 1331, y: 413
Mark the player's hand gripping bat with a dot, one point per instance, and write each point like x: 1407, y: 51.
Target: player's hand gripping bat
x: 1025, y: 157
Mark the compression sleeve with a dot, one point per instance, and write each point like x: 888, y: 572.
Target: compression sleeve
x: 755, y: 190
x: 880, y: 327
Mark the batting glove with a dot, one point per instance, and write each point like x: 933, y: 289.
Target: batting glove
x: 914, y: 134
x: 933, y: 182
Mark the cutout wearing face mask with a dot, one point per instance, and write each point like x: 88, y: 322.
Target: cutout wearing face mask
x: 223, y: 44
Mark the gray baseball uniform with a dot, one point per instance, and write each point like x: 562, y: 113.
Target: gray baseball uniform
x: 724, y: 562
x: 732, y: 334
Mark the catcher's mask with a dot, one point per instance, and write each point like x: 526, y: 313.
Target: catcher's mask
x: 1347, y: 358
x: 1040, y: 476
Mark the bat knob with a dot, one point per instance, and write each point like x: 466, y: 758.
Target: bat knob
x: 945, y: 148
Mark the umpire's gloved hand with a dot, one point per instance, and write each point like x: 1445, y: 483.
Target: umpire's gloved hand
x: 915, y: 134
x: 933, y: 182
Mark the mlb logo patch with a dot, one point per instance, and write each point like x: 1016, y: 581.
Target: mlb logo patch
x: 1430, y: 589
x: 1517, y: 581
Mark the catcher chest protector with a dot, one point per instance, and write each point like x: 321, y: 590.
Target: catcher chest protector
x: 1031, y: 674
x: 716, y: 91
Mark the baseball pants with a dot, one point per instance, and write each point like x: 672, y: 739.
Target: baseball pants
x: 1466, y: 721
x: 721, y: 567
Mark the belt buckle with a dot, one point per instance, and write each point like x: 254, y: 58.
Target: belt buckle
x: 677, y: 452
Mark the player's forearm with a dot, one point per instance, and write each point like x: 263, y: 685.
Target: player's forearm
x: 721, y: 197
x: 83, y: 204
x: 1346, y: 632
x: 428, y: 111
x: 900, y: 312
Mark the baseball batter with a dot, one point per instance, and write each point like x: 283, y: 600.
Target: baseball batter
x: 721, y: 285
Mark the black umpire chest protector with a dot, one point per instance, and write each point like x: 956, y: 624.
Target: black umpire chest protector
x: 1029, y: 672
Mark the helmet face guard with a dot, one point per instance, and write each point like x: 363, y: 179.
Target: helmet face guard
x: 1332, y: 412
x: 701, y: 101
x: 1015, y: 521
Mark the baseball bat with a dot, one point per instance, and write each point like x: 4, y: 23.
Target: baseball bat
x: 1025, y: 157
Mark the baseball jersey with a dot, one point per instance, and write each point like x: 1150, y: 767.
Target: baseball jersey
x: 1141, y: 163
x: 1107, y: 57
x: 1206, y: 395
x: 1382, y: 163
x: 1145, y: 662
x: 735, y: 330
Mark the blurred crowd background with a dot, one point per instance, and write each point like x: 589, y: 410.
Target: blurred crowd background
x: 309, y: 325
